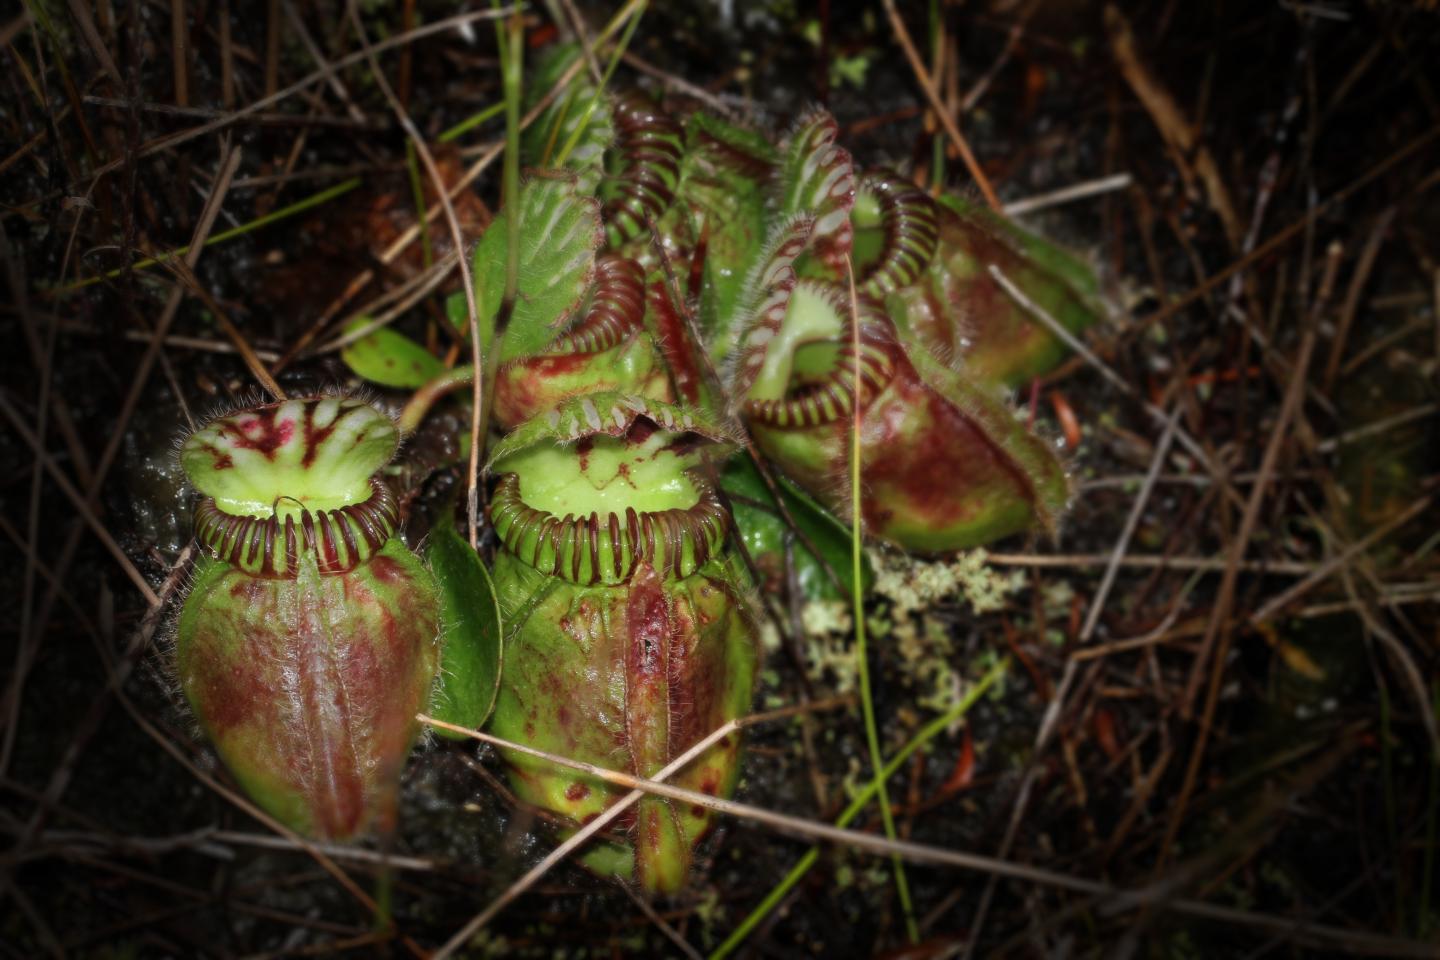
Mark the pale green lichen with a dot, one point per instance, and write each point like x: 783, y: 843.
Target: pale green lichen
x: 824, y: 617
x: 923, y: 641
x: 914, y: 585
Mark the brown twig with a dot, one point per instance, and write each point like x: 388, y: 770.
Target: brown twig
x: 1218, y: 634
x: 902, y: 34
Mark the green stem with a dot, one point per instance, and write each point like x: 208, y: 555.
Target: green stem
x: 324, y: 196
x: 424, y: 398
x: 417, y: 191
x: 590, y: 108
x: 858, y: 804
x: 872, y: 735
x: 937, y: 142
x: 470, y: 123
x: 512, y: 60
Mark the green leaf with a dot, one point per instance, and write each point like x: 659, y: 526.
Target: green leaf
x: 553, y: 129
x: 389, y: 358
x: 471, y: 630
x: 559, y: 234
x: 764, y: 531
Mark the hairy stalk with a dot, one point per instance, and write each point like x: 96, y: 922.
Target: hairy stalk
x: 424, y: 398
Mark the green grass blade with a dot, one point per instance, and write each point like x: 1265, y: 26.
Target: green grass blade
x: 512, y: 56
x: 872, y: 735
x: 594, y: 103
x: 417, y: 192
x: 859, y: 803
x: 299, y: 206
x: 470, y: 123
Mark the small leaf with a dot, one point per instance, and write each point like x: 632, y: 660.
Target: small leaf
x: 559, y: 234
x: 764, y: 529
x: 471, y: 631
x: 389, y: 358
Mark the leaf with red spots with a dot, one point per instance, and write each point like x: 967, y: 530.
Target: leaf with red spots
x: 389, y: 358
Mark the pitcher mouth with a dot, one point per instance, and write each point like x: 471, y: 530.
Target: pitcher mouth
x: 807, y: 376
x: 910, y: 228
x: 616, y: 311
x: 273, y: 547
x: 833, y: 397
x: 608, y: 547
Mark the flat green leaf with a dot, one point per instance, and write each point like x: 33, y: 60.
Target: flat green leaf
x: 471, y: 631
x: 764, y: 530
x: 389, y: 358
x: 559, y: 234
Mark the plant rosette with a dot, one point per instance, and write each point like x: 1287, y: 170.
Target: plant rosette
x: 308, y: 642
x: 944, y: 463
x: 606, y: 349
x: 629, y: 635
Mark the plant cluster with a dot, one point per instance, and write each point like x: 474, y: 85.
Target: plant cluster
x: 706, y: 329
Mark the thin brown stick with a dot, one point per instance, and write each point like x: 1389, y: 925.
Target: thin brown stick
x: 1352, y: 297
x: 1287, y: 568
x: 1327, y: 569
x: 331, y: 77
x: 1383, y: 344
x: 80, y: 12
x: 1115, y: 899
x: 1423, y: 412
x: 670, y: 932
x: 1078, y: 191
x: 242, y: 346
x: 1122, y: 543
x: 78, y: 501
x: 1218, y: 634
x: 258, y: 119
x: 902, y: 34
x: 1180, y: 133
